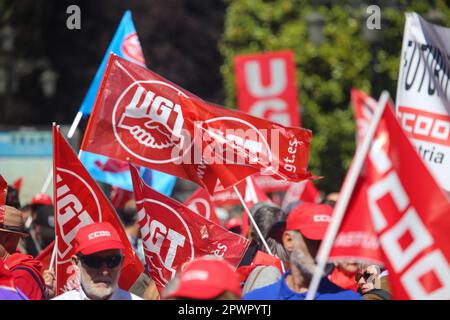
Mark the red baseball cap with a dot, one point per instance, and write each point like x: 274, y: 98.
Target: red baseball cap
x: 310, y: 219
x: 96, y: 237
x: 42, y: 198
x: 206, y: 278
x: 233, y: 223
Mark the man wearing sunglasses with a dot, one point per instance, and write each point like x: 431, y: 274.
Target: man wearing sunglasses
x: 98, y: 258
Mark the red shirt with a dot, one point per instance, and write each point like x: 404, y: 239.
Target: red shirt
x: 343, y: 280
x: 26, y: 275
x: 261, y: 259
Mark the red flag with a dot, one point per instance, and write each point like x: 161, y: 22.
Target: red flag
x: 141, y: 116
x: 200, y: 202
x: 399, y: 215
x: 305, y: 191
x: 45, y: 256
x: 119, y: 197
x: 79, y: 202
x: 238, y: 145
x: 363, y: 109
x: 3, y: 192
x: 266, y: 86
x: 269, y: 184
x: 18, y: 184
x: 172, y: 234
x: 253, y: 195
x: 225, y: 196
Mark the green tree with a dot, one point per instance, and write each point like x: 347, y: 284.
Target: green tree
x: 325, y: 72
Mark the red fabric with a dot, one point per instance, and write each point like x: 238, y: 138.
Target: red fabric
x: 45, y: 256
x: 310, y: 219
x: 22, y: 278
x: 96, y: 237
x: 200, y: 202
x: 119, y: 197
x: 253, y: 195
x: 141, y: 116
x: 363, y: 107
x: 6, y: 279
x: 206, y: 279
x: 343, y: 280
x: 80, y: 202
x: 261, y: 259
x: 266, y: 86
x: 173, y: 234
x: 18, y: 184
x: 398, y: 215
x: 3, y: 191
x: 42, y: 199
x: 304, y: 191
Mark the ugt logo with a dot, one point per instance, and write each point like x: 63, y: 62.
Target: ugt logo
x: 146, y: 116
x: 73, y: 213
x: 167, y: 242
x: 131, y: 48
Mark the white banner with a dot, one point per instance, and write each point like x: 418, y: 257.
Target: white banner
x: 422, y: 103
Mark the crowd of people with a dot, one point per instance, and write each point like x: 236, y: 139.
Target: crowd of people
x: 293, y: 237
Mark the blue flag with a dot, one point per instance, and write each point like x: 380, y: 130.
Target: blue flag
x: 124, y: 44
x: 117, y: 173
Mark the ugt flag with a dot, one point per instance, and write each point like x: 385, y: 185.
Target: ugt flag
x: 200, y: 202
x: 172, y: 234
x: 266, y: 88
x: 125, y: 43
x: 398, y: 216
x: 142, y: 116
x: 423, y: 96
x: 79, y: 202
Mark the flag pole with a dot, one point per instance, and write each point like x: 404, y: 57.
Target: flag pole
x: 55, y: 248
x: 251, y: 185
x: 344, y: 197
x: 252, y: 220
x: 70, y: 134
x: 74, y: 125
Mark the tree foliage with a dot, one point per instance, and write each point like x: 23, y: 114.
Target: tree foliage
x: 325, y: 72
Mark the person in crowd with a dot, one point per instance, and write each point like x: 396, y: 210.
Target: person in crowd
x: 26, y: 271
x: 305, y: 229
x: 331, y: 199
x: 98, y: 258
x: 8, y: 291
x: 12, y: 197
x: 369, y: 283
x: 265, y: 269
x: 43, y: 226
x: 41, y: 205
x: 128, y: 216
x: 234, y: 225
x: 205, y: 278
x: 344, y: 274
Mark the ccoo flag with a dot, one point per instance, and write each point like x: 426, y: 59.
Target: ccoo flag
x: 398, y: 216
x: 125, y: 43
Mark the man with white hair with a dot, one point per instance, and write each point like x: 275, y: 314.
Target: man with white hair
x: 98, y: 258
x: 304, y: 232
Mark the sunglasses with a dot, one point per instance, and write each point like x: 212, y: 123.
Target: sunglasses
x: 96, y: 262
x: 366, y: 275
